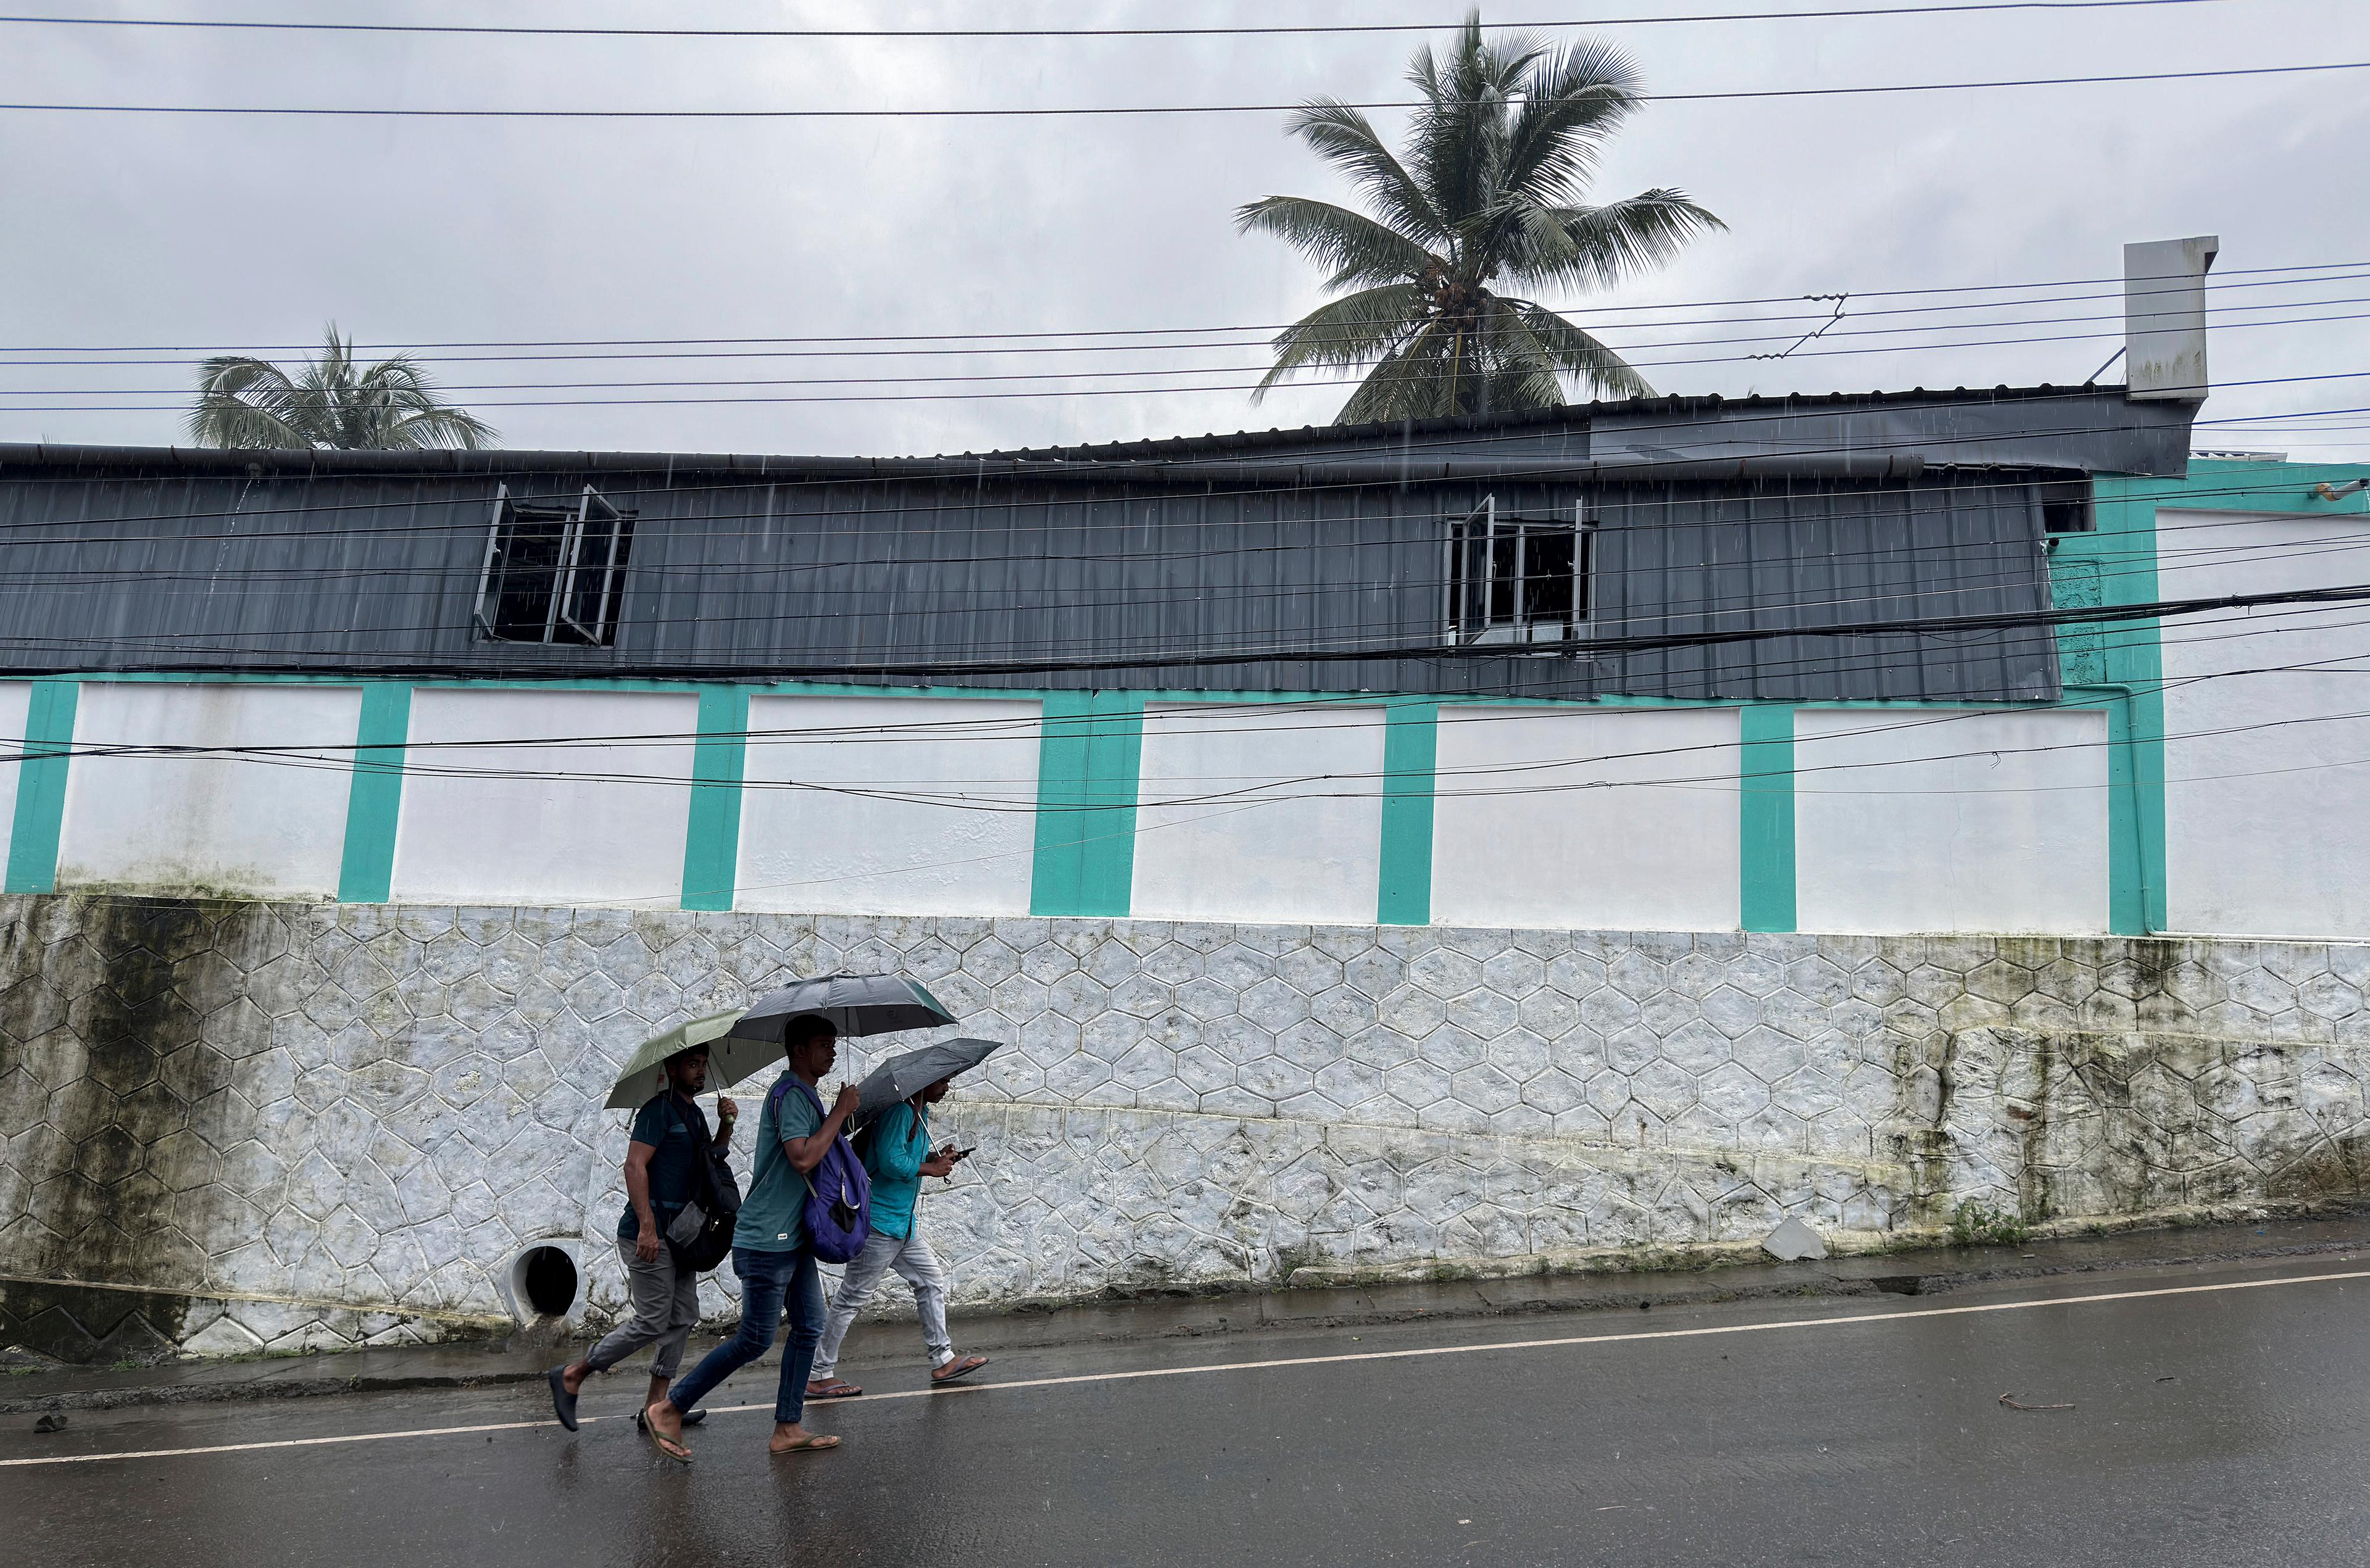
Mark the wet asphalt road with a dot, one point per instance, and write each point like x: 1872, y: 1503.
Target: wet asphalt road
x: 2217, y: 1427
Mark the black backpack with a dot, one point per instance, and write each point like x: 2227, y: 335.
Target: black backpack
x: 701, y: 1236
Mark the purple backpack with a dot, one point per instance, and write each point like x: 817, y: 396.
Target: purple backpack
x: 838, y: 1210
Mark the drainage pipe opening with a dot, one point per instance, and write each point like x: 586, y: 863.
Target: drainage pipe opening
x: 542, y: 1284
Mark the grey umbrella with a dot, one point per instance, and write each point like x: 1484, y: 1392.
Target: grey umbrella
x: 906, y: 1075
x: 858, y: 1004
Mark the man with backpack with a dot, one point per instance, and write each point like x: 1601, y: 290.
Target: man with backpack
x: 773, y: 1251
x: 662, y: 1165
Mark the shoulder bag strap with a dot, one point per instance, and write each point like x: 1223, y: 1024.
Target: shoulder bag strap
x: 703, y: 1190
x: 813, y: 1099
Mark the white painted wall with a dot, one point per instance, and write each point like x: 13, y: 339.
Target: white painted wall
x: 2267, y: 798
x: 1655, y: 849
x: 968, y: 848
x: 1923, y: 819
x: 233, y: 824
x: 16, y: 698
x: 1287, y: 843
x: 476, y: 837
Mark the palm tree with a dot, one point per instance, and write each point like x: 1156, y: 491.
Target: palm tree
x: 1490, y: 197
x: 332, y: 402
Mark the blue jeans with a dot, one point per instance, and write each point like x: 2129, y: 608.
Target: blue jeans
x: 767, y: 1281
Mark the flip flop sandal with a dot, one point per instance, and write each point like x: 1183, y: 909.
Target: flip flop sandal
x: 563, y: 1404
x: 962, y: 1369
x: 810, y: 1446
x: 693, y: 1418
x: 838, y: 1387
x: 664, y: 1443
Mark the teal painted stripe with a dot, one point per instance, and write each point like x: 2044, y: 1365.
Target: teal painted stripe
x: 1766, y: 880
x: 1410, y: 764
x: 1090, y: 758
x: 42, y: 787
x: 2145, y: 871
x: 374, y: 802
x: 2127, y: 879
x: 2131, y: 659
x: 711, y: 845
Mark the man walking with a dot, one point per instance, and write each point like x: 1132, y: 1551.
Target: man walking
x: 897, y: 1154
x: 770, y: 1249
x: 661, y: 1174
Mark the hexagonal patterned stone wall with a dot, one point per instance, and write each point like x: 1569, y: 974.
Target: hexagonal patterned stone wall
x: 289, y: 1126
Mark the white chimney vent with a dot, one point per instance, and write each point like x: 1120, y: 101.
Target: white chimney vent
x: 2164, y: 318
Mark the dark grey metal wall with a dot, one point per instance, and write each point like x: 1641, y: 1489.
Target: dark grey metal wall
x: 1133, y: 559
x: 856, y: 580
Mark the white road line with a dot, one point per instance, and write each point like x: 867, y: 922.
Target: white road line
x: 1559, y: 1342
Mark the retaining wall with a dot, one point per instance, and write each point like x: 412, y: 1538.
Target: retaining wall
x: 235, y: 1126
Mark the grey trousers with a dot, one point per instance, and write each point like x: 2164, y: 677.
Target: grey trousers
x: 911, y: 1258
x: 665, y: 1300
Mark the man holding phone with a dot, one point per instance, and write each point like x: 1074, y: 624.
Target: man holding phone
x: 897, y: 1154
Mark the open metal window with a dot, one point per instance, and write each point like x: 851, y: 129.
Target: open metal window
x: 554, y: 571
x: 2065, y: 506
x: 1518, y: 579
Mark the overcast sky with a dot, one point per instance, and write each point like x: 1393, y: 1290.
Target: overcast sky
x: 251, y: 232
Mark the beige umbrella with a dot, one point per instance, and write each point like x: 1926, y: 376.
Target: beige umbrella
x: 645, y: 1075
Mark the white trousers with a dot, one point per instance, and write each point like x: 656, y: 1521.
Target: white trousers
x: 918, y: 1267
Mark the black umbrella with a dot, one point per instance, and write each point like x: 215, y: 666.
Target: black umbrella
x: 907, y: 1074
x: 857, y: 1004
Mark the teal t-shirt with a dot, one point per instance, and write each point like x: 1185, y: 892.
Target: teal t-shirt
x: 892, y: 1158
x: 674, y: 1169
x: 773, y: 1212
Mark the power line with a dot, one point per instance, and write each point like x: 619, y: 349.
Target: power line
x: 853, y: 665
x: 911, y: 379
x: 2222, y: 279
x: 1136, y: 110
x: 997, y: 350
x: 1295, y: 383
x: 1138, y: 826
x: 319, y: 757
x: 1281, y: 29
x: 1021, y: 727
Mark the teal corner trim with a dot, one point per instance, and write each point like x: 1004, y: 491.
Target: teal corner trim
x: 374, y: 802
x: 42, y: 787
x: 1089, y: 761
x: 2131, y: 909
x: 720, y: 761
x: 2116, y: 565
x: 1410, y: 764
x: 1766, y: 882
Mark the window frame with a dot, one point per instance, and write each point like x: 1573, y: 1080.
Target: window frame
x: 576, y: 524
x: 1472, y: 617
x: 2069, y: 506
